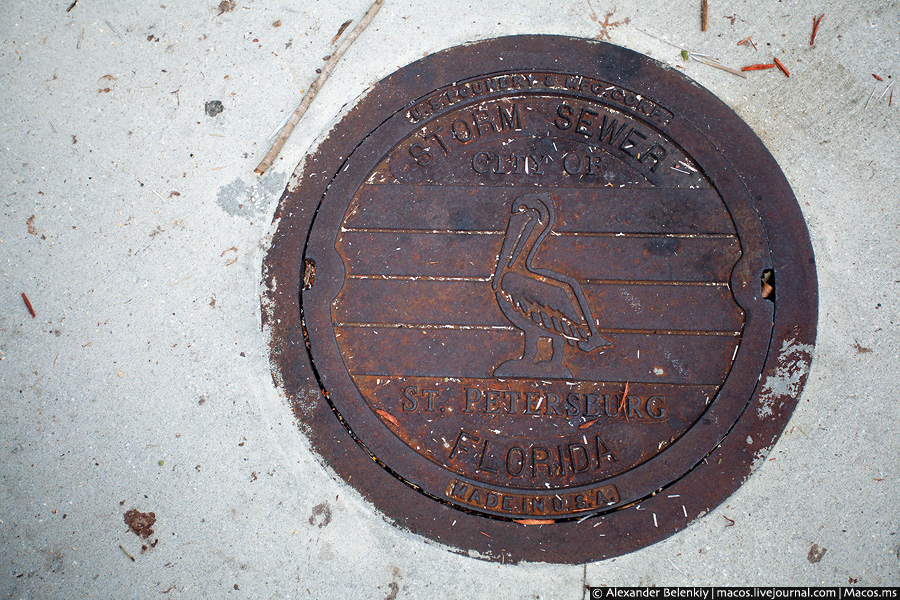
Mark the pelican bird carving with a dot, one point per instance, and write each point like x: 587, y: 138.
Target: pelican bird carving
x: 540, y: 302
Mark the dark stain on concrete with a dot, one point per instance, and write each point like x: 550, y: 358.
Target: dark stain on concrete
x: 321, y: 515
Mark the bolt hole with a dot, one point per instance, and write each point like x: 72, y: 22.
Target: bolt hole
x: 309, y: 273
x: 768, y: 285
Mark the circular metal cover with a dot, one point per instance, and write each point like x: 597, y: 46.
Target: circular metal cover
x: 541, y: 298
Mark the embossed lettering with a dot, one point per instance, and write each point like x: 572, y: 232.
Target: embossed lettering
x: 656, y: 407
x: 420, y: 154
x: 561, y: 464
x: 545, y: 404
x: 538, y: 162
x: 628, y: 143
x: 572, y: 163
x: 559, y: 503
x: 519, y: 460
x: 540, y: 456
x: 610, y: 403
x: 583, y: 125
x: 582, y: 451
x: 438, y: 139
x: 513, y: 397
x: 416, y: 114
x: 573, y: 82
x: 553, y: 402
x: 608, y: 494
x: 656, y: 153
x: 509, y: 164
x: 603, y: 451
x: 492, y: 402
x: 634, y: 403
x: 520, y: 162
x: 497, y: 84
x: 481, y: 162
x: 509, y: 118
x: 609, y: 131
x: 482, y: 463
x: 535, y: 460
x: 564, y: 121
x: 461, y: 130
x: 409, y: 400
x: 481, y: 118
x: 430, y: 396
x: 460, y: 446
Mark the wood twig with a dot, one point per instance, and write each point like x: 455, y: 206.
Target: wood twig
x: 314, y: 89
x: 748, y: 40
x: 781, y: 67
x: 663, y: 40
x: 71, y: 6
x: 126, y: 553
x: 758, y: 67
x: 816, y: 21
x: 28, y: 305
x: 341, y: 29
x: 704, y: 15
x: 872, y: 95
x: 713, y: 63
x: 623, y: 403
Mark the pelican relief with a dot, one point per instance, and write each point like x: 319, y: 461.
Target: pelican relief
x: 540, y: 302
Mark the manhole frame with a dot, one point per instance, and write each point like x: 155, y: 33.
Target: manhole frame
x: 627, y: 528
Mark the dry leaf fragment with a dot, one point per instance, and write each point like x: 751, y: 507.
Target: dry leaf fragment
x: 386, y: 415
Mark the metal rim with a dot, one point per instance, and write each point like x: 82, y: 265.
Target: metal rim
x: 738, y: 161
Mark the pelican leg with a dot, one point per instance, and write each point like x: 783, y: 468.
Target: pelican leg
x: 559, y: 349
x: 526, y: 365
x: 531, y: 348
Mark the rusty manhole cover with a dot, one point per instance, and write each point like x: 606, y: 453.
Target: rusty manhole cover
x: 541, y: 298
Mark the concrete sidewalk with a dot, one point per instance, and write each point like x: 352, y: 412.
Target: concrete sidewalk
x: 133, y: 222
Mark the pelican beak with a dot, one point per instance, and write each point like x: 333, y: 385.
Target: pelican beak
x: 517, y: 231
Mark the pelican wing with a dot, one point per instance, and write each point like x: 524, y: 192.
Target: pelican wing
x: 547, y: 304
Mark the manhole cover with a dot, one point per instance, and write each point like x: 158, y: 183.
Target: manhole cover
x: 541, y: 298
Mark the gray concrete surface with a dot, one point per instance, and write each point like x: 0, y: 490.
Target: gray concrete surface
x: 134, y: 224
